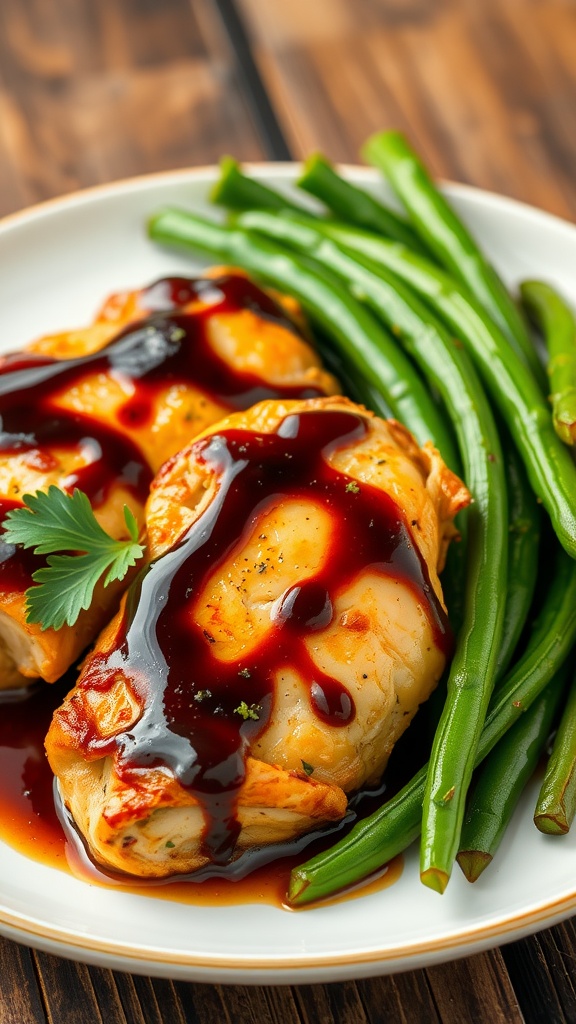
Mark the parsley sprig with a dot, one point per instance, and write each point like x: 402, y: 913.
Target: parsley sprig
x: 54, y: 521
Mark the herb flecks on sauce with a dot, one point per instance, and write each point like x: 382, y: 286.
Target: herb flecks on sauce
x: 168, y: 346
x: 206, y: 743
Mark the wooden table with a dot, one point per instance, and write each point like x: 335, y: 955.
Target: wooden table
x: 94, y: 90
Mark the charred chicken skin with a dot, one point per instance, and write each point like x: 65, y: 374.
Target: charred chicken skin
x: 264, y: 663
x: 102, y: 408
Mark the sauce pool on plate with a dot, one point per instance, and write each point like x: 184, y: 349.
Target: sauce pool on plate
x: 30, y: 822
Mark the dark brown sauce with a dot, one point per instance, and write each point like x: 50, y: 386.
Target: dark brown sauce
x: 28, y: 819
x: 168, y: 346
x: 16, y: 564
x: 30, y: 824
x: 190, y: 700
x: 152, y: 353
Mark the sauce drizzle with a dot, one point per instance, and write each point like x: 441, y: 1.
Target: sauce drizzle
x: 30, y: 824
x: 189, y: 699
x: 168, y: 346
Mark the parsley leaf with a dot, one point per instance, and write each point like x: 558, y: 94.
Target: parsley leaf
x: 246, y: 712
x: 53, y: 521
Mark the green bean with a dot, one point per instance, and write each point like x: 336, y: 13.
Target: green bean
x: 354, y: 204
x: 551, y: 471
x: 557, y: 323
x: 502, y: 713
x: 502, y: 779
x: 357, y: 387
x: 556, y: 803
x: 417, y: 328
x: 237, y: 191
x: 352, y: 328
x: 524, y: 512
x: 374, y: 841
x: 444, y: 233
x: 549, y: 465
x: 552, y: 637
x: 474, y: 663
x: 524, y: 542
x: 419, y: 331
x: 545, y: 462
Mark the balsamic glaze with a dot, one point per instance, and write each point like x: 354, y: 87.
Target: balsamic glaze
x: 167, y: 346
x: 189, y: 699
x: 30, y: 823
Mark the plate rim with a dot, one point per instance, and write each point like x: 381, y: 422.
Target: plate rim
x: 261, y: 169
x: 288, y: 969
x: 278, y: 968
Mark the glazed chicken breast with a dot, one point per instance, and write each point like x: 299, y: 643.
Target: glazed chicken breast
x: 264, y: 663
x: 102, y: 408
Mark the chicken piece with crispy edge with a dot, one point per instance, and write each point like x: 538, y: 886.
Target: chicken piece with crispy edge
x: 380, y: 644
x: 242, y: 339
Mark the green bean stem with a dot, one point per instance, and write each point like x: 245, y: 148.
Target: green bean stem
x: 556, y: 803
x: 444, y: 233
x: 354, y: 330
x: 237, y: 191
x: 558, y: 325
x: 473, y: 667
x: 374, y: 841
x: 320, y: 179
x: 502, y: 779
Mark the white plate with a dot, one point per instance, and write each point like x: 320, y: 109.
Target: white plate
x: 57, y: 263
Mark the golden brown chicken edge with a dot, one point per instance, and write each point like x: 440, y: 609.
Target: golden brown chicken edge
x: 124, y: 820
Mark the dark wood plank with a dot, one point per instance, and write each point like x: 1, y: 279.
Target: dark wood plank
x: 283, y: 1005
x: 559, y: 945
x: 531, y: 978
x: 405, y: 998
x: 476, y: 989
x: 274, y: 141
x: 149, y: 1001
x: 542, y: 972
x: 487, y: 91
x: 68, y: 993
x: 76, y: 993
x: 91, y: 93
x: 239, y: 1004
x: 323, y: 1004
x: 204, y: 1003
x: 249, y: 1005
x: 20, y: 997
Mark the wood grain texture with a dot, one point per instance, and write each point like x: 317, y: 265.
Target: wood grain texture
x: 20, y: 998
x: 405, y: 998
x: 91, y: 92
x: 486, y: 91
x: 70, y: 995
x: 85, y: 97
x: 542, y: 971
x: 483, y: 991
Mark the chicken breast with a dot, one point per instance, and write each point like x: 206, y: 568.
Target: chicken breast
x: 102, y: 408
x: 262, y: 667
